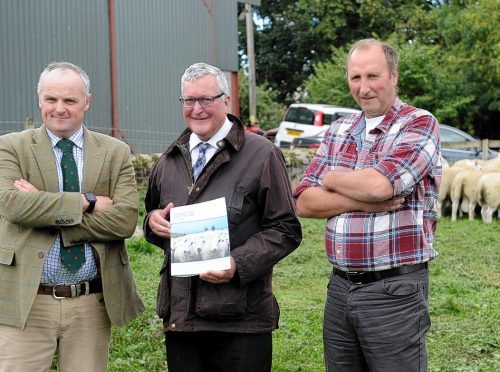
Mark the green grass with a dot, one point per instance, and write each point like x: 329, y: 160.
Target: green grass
x: 464, y: 303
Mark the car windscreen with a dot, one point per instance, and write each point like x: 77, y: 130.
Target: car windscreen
x: 300, y: 115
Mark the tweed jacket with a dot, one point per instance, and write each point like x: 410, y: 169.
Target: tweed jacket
x: 29, y: 221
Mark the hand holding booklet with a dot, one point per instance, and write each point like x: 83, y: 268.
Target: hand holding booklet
x: 199, y: 238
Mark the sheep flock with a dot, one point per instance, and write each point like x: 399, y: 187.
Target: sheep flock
x: 468, y: 184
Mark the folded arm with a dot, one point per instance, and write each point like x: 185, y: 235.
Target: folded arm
x: 366, y: 185
x: 116, y: 220
x: 316, y: 202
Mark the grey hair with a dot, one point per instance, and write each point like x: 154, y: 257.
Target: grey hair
x: 391, y: 55
x: 65, y: 66
x: 198, y: 70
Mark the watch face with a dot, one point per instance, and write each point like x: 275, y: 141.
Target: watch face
x: 90, y: 197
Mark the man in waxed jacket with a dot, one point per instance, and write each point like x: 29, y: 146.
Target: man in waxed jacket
x: 239, y: 309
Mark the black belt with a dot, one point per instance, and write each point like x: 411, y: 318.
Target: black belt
x: 364, y: 277
x: 60, y: 291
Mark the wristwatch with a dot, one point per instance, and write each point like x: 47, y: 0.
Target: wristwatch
x: 90, y: 196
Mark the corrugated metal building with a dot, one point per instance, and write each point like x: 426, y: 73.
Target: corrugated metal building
x: 134, y: 52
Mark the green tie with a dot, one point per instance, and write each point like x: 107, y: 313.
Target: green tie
x: 73, y: 257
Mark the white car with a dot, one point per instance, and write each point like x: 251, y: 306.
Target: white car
x: 306, y: 120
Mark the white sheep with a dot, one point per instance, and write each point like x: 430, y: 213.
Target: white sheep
x: 466, y: 163
x: 488, y: 195
x: 448, y: 176
x: 216, y: 249
x: 492, y: 165
x: 444, y: 162
x: 464, y: 188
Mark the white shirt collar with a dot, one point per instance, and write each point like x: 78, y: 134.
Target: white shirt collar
x: 77, y: 137
x: 194, y: 140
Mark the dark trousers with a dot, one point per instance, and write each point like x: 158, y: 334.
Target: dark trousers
x: 218, y: 352
x: 379, y: 326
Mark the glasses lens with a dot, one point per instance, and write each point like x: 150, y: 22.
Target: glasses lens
x: 189, y: 102
x: 206, y: 101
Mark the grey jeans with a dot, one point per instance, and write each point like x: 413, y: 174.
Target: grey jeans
x: 379, y: 326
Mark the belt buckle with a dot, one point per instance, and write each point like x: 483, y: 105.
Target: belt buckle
x: 87, y: 287
x: 353, y: 274
x: 56, y: 297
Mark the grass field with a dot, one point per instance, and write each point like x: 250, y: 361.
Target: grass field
x: 464, y: 302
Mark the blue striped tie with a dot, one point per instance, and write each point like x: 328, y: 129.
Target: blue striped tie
x: 200, y: 162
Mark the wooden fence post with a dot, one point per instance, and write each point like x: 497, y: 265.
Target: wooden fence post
x: 485, y: 149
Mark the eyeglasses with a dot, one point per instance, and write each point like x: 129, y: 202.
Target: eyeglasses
x: 204, y: 101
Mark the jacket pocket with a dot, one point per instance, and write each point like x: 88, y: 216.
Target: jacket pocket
x: 163, y: 294
x: 220, y: 301
x: 6, y: 256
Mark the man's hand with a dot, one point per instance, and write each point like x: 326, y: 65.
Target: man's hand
x: 23, y: 185
x: 219, y: 276
x: 159, y: 223
x: 383, y: 206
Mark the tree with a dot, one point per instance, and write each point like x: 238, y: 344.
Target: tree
x: 468, y: 35
x: 269, y: 111
x: 449, y: 65
x: 291, y: 38
x: 296, y: 35
x: 329, y: 84
x: 449, y: 53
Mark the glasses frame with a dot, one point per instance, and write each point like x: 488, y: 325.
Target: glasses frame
x: 182, y: 100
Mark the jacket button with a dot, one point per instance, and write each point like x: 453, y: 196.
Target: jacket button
x: 40, y: 254
x: 172, y: 325
x: 197, y: 189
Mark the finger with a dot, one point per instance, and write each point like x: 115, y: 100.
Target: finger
x: 165, y: 211
x: 168, y: 207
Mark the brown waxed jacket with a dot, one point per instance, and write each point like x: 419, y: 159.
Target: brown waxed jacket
x: 249, y: 171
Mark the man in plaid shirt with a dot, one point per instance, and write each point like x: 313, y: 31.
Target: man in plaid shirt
x: 376, y: 178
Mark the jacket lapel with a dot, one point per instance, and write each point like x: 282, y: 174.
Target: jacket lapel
x: 45, y: 159
x: 93, y: 161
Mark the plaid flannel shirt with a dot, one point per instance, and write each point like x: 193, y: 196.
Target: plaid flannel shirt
x: 405, y: 147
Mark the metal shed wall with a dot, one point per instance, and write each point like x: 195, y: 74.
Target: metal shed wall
x: 155, y: 44
x: 34, y: 33
x: 155, y: 41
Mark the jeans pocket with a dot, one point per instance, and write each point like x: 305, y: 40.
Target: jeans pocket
x: 402, y: 285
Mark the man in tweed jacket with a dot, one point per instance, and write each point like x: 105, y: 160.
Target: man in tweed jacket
x: 44, y: 307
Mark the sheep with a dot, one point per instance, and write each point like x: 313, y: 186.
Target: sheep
x: 492, y: 165
x: 188, y: 250
x: 448, y: 176
x: 464, y: 187
x: 444, y: 163
x: 466, y: 163
x: 217, y: 249
x: 488, y: 195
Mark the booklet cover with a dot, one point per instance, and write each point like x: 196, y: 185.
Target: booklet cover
x: 199, y: 238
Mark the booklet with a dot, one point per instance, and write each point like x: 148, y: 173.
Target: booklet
x: 199, y: 238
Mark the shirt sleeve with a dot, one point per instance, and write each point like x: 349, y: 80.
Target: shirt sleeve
x: 413, y: 155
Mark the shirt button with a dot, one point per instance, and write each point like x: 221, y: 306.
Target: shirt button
x: 197, y: 189
x: 40, y: 254
x: 172, y: 325
x: 338, y: 251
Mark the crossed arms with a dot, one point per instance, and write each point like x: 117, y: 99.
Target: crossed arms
x: 365, y: 190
